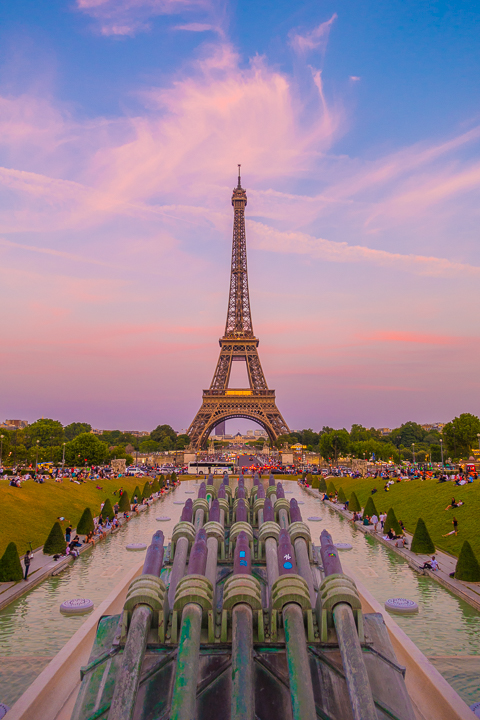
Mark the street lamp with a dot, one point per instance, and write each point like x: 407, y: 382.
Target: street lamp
x: 36, y: 458
x: 413, y: 450
x: 63, y: 458
x: 441, y: 450
x: 1, y: 449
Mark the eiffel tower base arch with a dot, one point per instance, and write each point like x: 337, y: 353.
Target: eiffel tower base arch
x: 261, y: 409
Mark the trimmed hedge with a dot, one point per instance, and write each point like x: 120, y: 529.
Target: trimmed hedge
x: 322, y: 485
x: 391, y: 522
x: 422, y: 542
x: 107, y: 510
x: 315, y: 483
x: 124, y: 502
x: 147, y: 491
x: 55, y: 543
x: 173, y: 477
x: 467, y: 568
x: 354, y: 505
x: 85, y: 524
x: 10, y: 566
x: 137, y: 494
x: 341, y: 497
x: 370, y: 508
x: 155, y: 486
x: 331, y: 489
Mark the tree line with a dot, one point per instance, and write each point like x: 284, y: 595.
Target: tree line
x: 49, y: 441
x: 459, y: 437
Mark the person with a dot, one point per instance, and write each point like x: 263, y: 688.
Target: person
x: 72, y: 547
x: 26, y: 561
x: 366, y: 520
x: 68, y: 533
x: 383, y: 517
x: 374, y: 522
x: 430, y: 564
x: 453, y: 504
x: 455, y: 528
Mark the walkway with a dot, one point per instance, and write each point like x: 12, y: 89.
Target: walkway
x: 470, y: 592
x: 43, y: 566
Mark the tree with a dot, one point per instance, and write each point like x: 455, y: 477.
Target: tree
x: 163, y: 431
x: 315, y: 483
x: 85, y: 524
x: 10, y: 567
x: 408, y: 433
x: 358, y: 433
x: 182, y: 442
x: 391, y: 523
x: 86, y: 448
x: 370, y: 508
x: 467, y: 568
x: 71, y: 431
x: 124, y: 502
x: 422, y: 542
x: 147, y: 446
x: 173, y: 478
x: 461, y: 435
x: 107, y: 510
x: 331, y: 489
x: 155, y: 486
x: 47, y: 432
x: 354, y: 505
x: 55, y: 543
x: 341, y: 497
x: 333, y: 445
x: 146, y: 491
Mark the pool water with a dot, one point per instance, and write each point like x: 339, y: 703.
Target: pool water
x: 32, y: 630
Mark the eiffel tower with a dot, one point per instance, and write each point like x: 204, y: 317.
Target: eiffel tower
x: 238, y: 344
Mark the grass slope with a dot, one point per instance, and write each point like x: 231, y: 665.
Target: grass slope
x: 29, y: 512
x: 427, y: 499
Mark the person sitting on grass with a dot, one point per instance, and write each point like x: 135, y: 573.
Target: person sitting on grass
x: 453, y: 504
x: 430, y: 564
x: 366, y: 520
x: 455, y: 528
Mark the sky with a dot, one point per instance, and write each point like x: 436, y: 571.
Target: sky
x: 358, y: 129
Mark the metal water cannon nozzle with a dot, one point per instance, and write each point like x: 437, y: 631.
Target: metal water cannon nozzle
x: 214, y: 514
x: 271, y: 481
x: 187, y: 512
x: 268, y: 513
x: 202, y: 491
x: 260, y: 491
x: 154, y: 557
x: 242, y: 559
x: 295, y: 514
x: 286, y: 557
x: 241, y: 511
x: 280, y: 491
x: 198, y: 554
x: 210, y: 479
x: 241, y: 492
x: 221, y: 492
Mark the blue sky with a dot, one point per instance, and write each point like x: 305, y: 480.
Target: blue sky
x: 358, y: 128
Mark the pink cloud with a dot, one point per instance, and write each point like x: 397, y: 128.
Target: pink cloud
x: 313, y: 40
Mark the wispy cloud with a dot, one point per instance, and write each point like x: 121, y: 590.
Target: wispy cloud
x: 316, y: 39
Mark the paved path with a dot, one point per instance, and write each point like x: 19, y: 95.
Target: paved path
x: 43, y: 566
x: 470, y: 592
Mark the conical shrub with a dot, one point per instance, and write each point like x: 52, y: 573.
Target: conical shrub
x: 391, y: 523
x: 155, y: 486
x: 322, y: 485
x: 137, y: 495
x: 315, y: 484
x: 173, y: 477
x: 354, y: 505
x: 146, y: 491
x: 422, y: 542
x: 107, y: 510
x: 124, y: 502
x: 10, y: 566
x: 331, y: 489
x: 341, y: 497
x: 467, y: 568
x: 161, y: 481
x: 308, y: 478
x: 370, y: 508
x: 85, y: 524
x: 55, y: 543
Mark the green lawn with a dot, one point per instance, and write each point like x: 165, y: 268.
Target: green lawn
x: 28, y: 513
x: 427, y: 499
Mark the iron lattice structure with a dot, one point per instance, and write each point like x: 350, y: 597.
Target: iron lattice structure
x: 239, y: 343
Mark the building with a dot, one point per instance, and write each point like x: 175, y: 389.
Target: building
x: 384, y: 431
x: 438, y: 427
x: 14, y: 424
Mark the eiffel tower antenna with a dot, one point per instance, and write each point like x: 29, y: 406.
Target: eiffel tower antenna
x: 239, y: 344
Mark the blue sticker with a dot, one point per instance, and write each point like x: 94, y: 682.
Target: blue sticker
x: 242, y: 553
x: 244, y: 562
x: 287, y: 565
